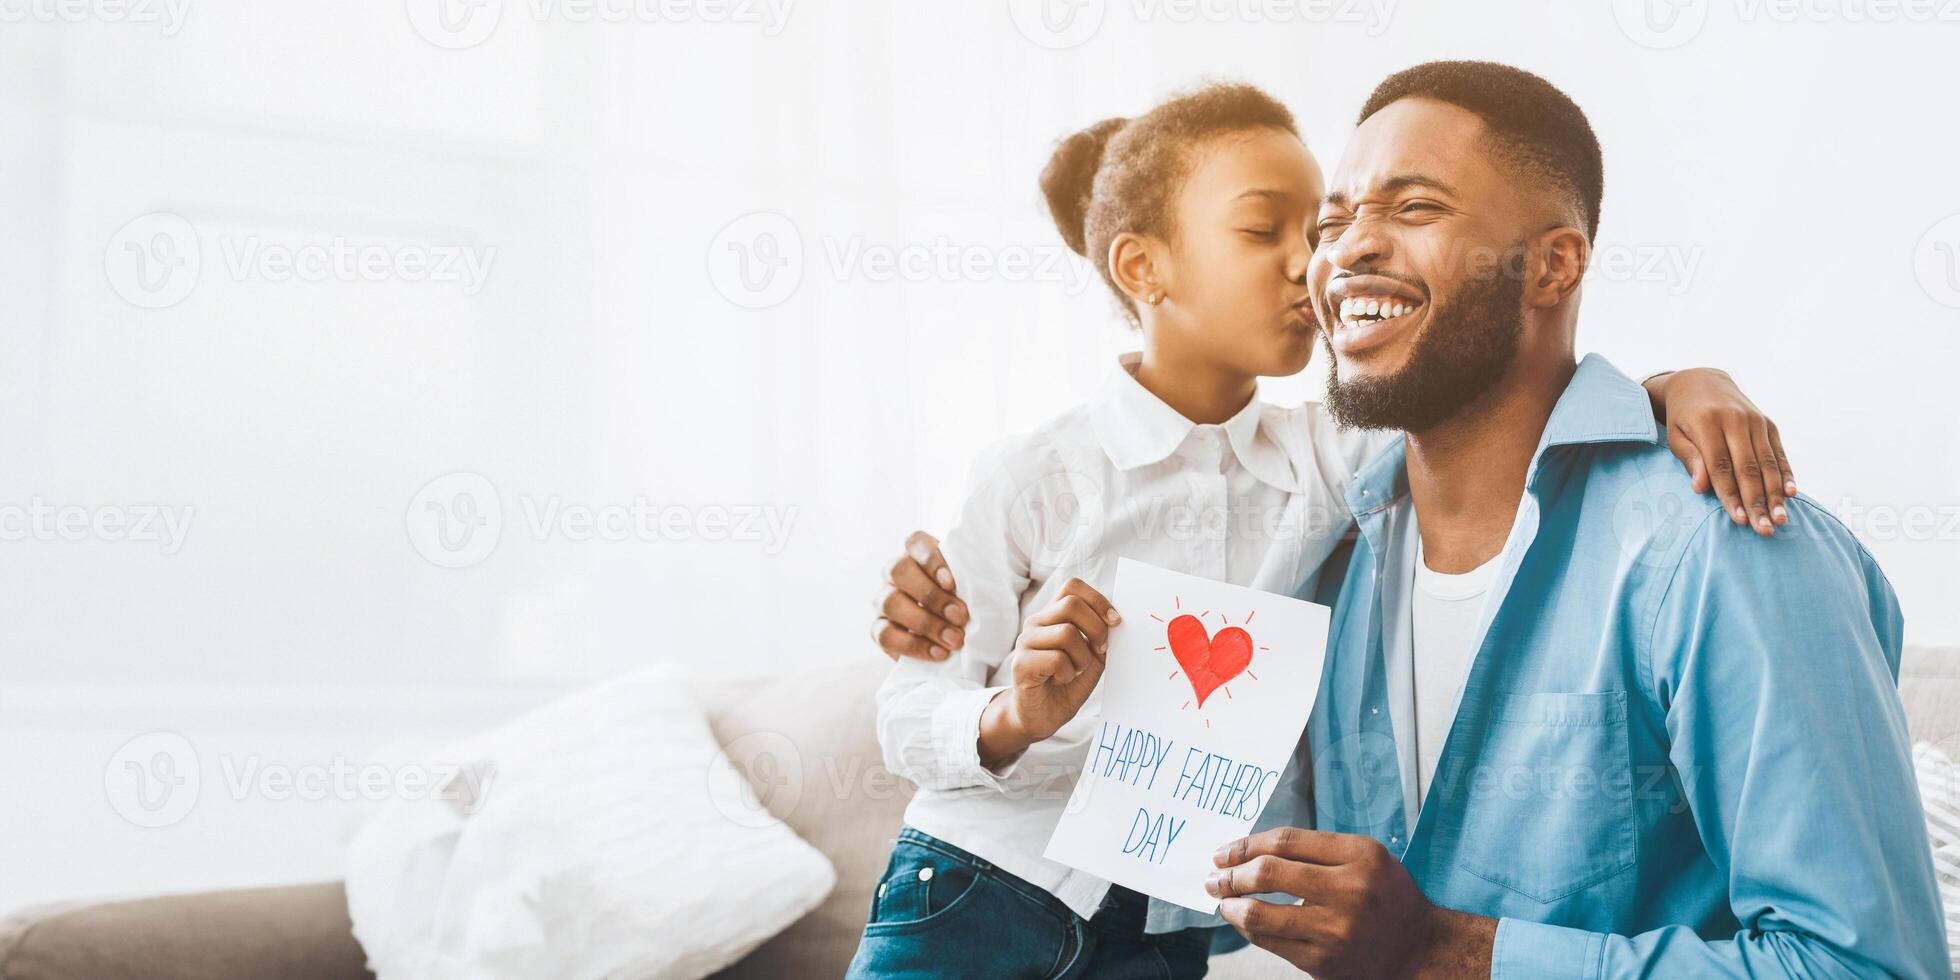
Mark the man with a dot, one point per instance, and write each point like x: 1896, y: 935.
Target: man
x: 1573, y: 722
x: 1678, y: 749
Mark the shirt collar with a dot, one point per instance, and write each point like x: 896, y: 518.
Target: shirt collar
x: 1136, y: 429
x: 1258, y: 451
x: 1599, y: 405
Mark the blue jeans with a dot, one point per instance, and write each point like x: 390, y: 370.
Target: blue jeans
x: 940, y: 911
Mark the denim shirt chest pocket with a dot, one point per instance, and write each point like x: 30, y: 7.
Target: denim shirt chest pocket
x: 1544, y: 808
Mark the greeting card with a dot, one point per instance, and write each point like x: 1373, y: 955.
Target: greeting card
x: 1205, y: 694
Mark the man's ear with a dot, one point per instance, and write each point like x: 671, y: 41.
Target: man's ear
x: 1562, y: 257
x: 1139, y: 267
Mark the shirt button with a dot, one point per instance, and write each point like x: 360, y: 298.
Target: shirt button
x: 1395, y: 840
x: 925, y: 874
x: 1374, y: 711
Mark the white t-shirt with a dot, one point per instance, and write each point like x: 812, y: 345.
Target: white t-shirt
x: 1443, y: 611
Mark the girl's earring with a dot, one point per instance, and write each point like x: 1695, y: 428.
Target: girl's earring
x: 1156, y: 297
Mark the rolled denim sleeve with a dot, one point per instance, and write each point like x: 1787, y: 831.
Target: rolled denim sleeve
x: 1775, y: 664
x: 1524, y: 948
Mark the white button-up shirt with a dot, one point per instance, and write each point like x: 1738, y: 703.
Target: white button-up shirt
x: 1256, y: 501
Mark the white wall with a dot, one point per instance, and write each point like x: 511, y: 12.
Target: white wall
x: 600, y: 169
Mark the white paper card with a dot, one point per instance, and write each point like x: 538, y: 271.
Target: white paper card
x: 1206, y: 693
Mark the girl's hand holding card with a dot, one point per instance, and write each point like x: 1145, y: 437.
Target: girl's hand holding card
x: 1057, y: 661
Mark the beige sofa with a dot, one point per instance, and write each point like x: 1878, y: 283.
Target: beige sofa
x: 832, y: 788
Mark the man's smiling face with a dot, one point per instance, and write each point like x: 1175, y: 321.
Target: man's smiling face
x: 1417, y: 280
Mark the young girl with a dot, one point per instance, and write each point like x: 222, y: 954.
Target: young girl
x: 1198, y: 216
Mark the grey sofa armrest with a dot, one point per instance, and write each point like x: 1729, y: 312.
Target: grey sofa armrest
x: 298, y: 932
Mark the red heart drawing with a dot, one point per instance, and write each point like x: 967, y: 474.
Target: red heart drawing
x: 1208, y: 661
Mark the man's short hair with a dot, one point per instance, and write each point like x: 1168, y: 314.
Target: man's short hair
x: 1533, y: 126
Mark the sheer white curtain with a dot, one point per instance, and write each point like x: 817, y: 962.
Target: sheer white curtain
x: 609, y: 174
x: 591, y: 165
x: 896, y: 131
x: 295, y: 417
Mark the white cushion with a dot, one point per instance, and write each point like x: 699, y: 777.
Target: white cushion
x: 604, y: 834
x: 1939, y: 793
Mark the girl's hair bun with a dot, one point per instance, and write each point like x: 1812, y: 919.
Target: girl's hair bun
x: 1069, y: 180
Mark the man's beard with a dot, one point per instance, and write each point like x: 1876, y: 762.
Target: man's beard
x: 1462, y: 352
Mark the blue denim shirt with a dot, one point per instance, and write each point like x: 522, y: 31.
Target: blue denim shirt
x: 1680, y: 749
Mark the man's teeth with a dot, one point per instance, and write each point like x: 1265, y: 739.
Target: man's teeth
x: 1356, y: 310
